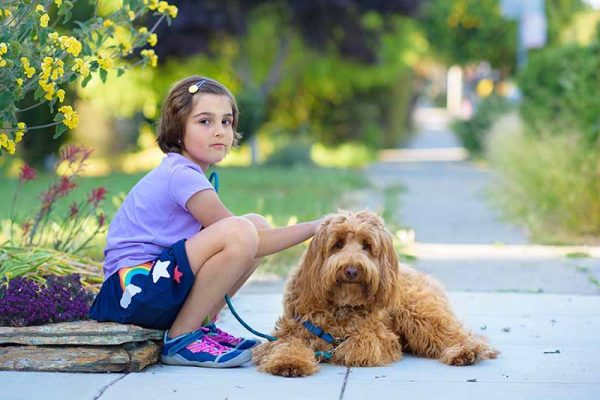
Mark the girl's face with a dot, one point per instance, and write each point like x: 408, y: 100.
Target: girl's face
x: 208, y: 135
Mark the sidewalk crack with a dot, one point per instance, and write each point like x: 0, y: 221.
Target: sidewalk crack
x: 105, y: 387
x: 344, y: 384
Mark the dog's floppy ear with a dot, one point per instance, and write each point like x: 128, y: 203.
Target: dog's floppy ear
x: 388, y: 266
x: 304, y: 290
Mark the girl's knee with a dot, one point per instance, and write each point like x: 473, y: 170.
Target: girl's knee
x: 241, y: 232
x: 258, y: 221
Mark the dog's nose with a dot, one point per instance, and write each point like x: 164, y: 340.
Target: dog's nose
x: 351, y: 272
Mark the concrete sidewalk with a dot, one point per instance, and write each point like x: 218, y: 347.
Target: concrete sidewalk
x: 550, y: 350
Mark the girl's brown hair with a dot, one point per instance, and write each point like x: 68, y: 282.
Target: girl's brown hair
x: 178, y: 106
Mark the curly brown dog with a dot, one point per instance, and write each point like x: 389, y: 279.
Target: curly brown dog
x: 351, y: 285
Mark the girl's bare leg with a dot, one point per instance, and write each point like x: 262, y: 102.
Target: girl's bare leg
x: 220, y: 256
x: 260, y: 223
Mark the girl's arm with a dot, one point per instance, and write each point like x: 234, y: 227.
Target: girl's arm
x: 207, y: 208
x: 273, y: 240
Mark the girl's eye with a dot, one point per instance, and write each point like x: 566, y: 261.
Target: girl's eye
x: 204, y: 121
x: 366, y: 246
x: 227, y: 122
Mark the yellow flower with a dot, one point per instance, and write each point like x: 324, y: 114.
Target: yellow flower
x: 2, y: 63
x: 131, y: 15
x: 40, y: 8
x: 60, y: 94
x: 8, y: 144
x: 11, y: 147
x: 58, y: 3
x: 27, y: 70
x: 126, y: 48
x: 107, y: 23
x: 52, y: 68
x: 70, y: 117
x: 82, y: 67
x: 70, y: 44
x: 150, y: 56
x: 48, y: 87
x: 19, y: 136
x: 143, y: 30
x: 3, y: 48
x: 172, y: 11
x: 104, y: 62
x: 152, y: 39
x: 44, y: 19
x: 19, y: 81
x: 53, y: 36
x: 20, y: 132
x: 152, y: 4
x: 5, y: 13
x: 162, y: 6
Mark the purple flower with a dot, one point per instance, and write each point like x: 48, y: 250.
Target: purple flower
x: 23, y: 302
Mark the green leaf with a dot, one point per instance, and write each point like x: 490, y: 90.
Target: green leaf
x: 103, y: 75
x: 38, y: 94
x: 60, y: 129
x: 120, y: 71
x: 5, y: 99
x: 86, y: 80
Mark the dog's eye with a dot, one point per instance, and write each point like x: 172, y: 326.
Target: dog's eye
x: 366, y: 246
x: 338, y: 245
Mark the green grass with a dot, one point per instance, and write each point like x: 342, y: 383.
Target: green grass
x: 281, y: 195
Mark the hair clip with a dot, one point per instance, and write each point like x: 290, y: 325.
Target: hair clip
x: 194, y: 88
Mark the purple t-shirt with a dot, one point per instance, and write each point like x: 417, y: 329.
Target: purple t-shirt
x: 153, y: 216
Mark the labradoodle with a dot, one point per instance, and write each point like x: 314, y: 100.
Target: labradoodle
x: 351, y: 303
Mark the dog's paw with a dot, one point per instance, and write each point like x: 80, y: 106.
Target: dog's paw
x: 289, y: 368
x: 468, y: 353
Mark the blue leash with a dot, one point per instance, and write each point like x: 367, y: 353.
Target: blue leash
x: 244, y: 324
x: 214, y: 180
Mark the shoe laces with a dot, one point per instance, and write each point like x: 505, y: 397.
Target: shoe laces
x: 207, y: 345
x: 221, y: 336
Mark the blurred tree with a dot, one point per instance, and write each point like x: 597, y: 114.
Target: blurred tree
x: 465, y: 31
x: 560, y: 14
x: 337, y: 28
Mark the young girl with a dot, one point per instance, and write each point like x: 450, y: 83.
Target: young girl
x: 173, y: 249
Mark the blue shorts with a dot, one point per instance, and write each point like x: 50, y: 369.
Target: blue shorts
x: 149, y: 295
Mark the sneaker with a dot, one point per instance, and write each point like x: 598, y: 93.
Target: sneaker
x: 198, y: 349
x: 229, y: 340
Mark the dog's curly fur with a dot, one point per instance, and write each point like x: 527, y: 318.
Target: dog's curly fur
x: 351, y: 284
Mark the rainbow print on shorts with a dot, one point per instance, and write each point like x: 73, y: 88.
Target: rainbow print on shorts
x: 126, y: 275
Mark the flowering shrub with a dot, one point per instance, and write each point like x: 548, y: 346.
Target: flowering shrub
x: 23, y: 302
x: 43, y: 244
x: 41, y: 54
x: 66, y: 233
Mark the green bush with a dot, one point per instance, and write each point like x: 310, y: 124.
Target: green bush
x: 548, y: 183
x: 472, y: 132
x: 291, y: 155
x: 560, y: 89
